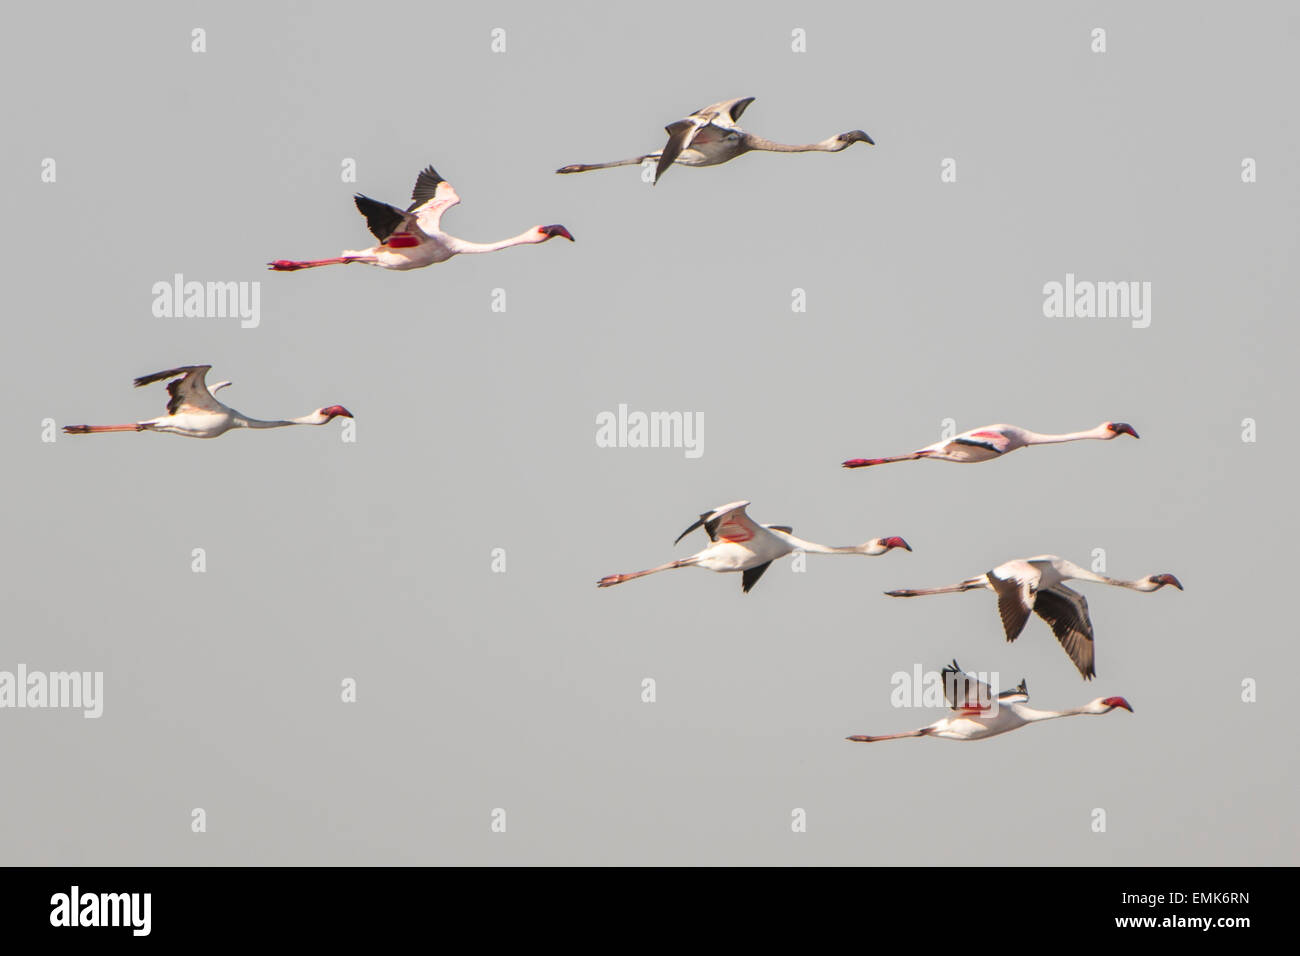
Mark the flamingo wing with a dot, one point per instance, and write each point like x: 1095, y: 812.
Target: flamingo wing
x: 1018, y: 696
x: 426, y: 187
x: 188, y: 390
x: 726, y: 523
x: 987, y: 438
x: 1015, y: 585
x: 965, y: 692
x: 726, y: 113
x: 680, y: 136
x: 749, y: 577
x: 384, y: 221
x: 733, y: 108
x: 431, y: 197
x: 1066, y: 610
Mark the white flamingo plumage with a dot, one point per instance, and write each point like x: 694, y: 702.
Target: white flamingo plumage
x: 1037, y: 585
x: 413, y: 238
x: 994, y: 441
x: 738, y: 543
x: 974, y: 717
x: 194, y: 413
x: 711, y: 136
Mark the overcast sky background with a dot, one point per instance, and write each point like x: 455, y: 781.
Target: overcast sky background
x: 476, y: 430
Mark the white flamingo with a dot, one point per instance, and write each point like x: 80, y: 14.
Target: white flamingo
x: 413, y: 238
x: 974, y: 717
x: 738, y: 543
x: 1037, y: 585
x: 710, y: 136
x: 994, y: 441
x: 194, y: 413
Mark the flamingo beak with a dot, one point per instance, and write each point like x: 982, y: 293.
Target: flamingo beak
x: 1118, y: 702
x: 552, y: 231
x: 336, y: 411
x: 1170, y: 580
x: 892, y: 543
x: 856, y: 136
x: 1123, y: 428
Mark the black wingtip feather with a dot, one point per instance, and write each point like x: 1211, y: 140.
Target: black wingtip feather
x: 426, y: 185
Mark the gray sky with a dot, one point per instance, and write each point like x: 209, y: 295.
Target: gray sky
x: 476, y: 430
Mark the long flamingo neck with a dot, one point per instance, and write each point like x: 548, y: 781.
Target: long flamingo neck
x: 832, y: 145
x: 812, y: 547
x: 1030, y: 715
x: 464, y: 247
x: 1081, y: 574
x: 242, y: 422
x: 1033, y: 438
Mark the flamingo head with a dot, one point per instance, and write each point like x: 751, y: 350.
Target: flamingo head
x: 1116, y: 429
x: 883, y: 545
x: 1110, y: 703
x: 855, y: 136
x: 1157, y: 581
x: 550, y: 232
x: 330, y: 412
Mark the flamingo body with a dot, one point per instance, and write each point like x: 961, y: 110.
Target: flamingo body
x: 974, y: 717
x: 413, y: 238
x: 1037, y: 586
x: 739, y: 544
x: 711, y: 136
x: 193, y: 412
x: 994, y: 441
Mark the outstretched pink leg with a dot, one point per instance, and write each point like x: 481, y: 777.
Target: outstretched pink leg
x: 293, y: 265
x: 610, y: 580
x: 92, y: 429
x: 864, y: 739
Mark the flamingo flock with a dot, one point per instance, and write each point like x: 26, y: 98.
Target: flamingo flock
x: 412, y: 238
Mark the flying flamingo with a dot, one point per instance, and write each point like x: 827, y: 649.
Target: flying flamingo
x: 1037, y: 585
x: 994, y: 441
x: 710, y: 136
x: 413, y: 238
x: 973, y: 717
x: 740, y: 544
x: 194, y: 413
